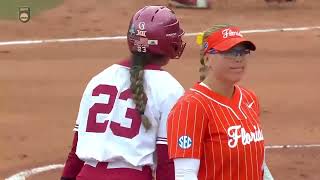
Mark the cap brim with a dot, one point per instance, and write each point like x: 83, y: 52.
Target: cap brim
x: 230, y: 43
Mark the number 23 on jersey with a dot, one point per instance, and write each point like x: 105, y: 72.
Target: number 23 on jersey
x: 116, y: 128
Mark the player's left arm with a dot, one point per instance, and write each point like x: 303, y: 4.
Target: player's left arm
x: 266, y: 172
x: 165, y: 166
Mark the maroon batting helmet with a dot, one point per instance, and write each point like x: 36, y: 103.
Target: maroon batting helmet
x: 155, y: 29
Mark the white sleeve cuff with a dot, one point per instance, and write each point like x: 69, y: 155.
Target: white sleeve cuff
x: 267, y: 174
x: 186, y: 168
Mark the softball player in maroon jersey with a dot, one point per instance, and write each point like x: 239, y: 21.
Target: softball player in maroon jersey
x: 214, y: 131
x: 121, y: 124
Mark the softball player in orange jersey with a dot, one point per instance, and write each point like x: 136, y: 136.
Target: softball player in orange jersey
x: 214, y: 131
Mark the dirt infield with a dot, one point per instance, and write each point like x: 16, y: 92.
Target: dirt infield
x: 41, y: 85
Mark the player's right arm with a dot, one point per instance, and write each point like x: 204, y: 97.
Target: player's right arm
x: 187, y: 124
x: 73, y: 164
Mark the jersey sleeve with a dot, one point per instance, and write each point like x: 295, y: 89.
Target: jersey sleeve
x: 256, y: 104
x: 85, y: 103
x: 165, y: 108
x: 258, y: 109
x: 187, y: 124
x: 82, y: 102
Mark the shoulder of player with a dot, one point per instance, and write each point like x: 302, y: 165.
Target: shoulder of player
x: 247, y: 92
x: 110, y: 72
x: 196, y: 94
x: 163, y: 81
x: 193, y: 99
x: 162, y: 75
x: 102, y: 76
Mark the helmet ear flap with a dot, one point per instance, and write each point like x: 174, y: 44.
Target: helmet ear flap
x: 178, y: 49
x: 175, y: 47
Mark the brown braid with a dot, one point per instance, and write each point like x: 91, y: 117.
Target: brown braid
x: 137, y: 79
x: 203, y: 69
x: 203, y: 72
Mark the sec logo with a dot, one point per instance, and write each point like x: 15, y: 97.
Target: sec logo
x: 185, y: 142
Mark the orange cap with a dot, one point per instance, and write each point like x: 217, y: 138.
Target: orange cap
x: 226, y: 38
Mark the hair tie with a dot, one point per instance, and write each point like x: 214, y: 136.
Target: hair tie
x: 200, y: 38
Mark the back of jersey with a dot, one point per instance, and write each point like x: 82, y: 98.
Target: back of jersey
x: 109, y: 127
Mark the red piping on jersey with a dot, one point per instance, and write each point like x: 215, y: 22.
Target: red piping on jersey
x: 127, y: 63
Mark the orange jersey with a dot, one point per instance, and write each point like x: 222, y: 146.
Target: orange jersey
x: 225, y: 134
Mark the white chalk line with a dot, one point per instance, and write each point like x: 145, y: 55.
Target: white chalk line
x: 292, y: 146
x: 24, y: 174
x: 108, y: 38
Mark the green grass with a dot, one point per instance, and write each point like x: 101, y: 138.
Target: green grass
x: 9, y: 9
